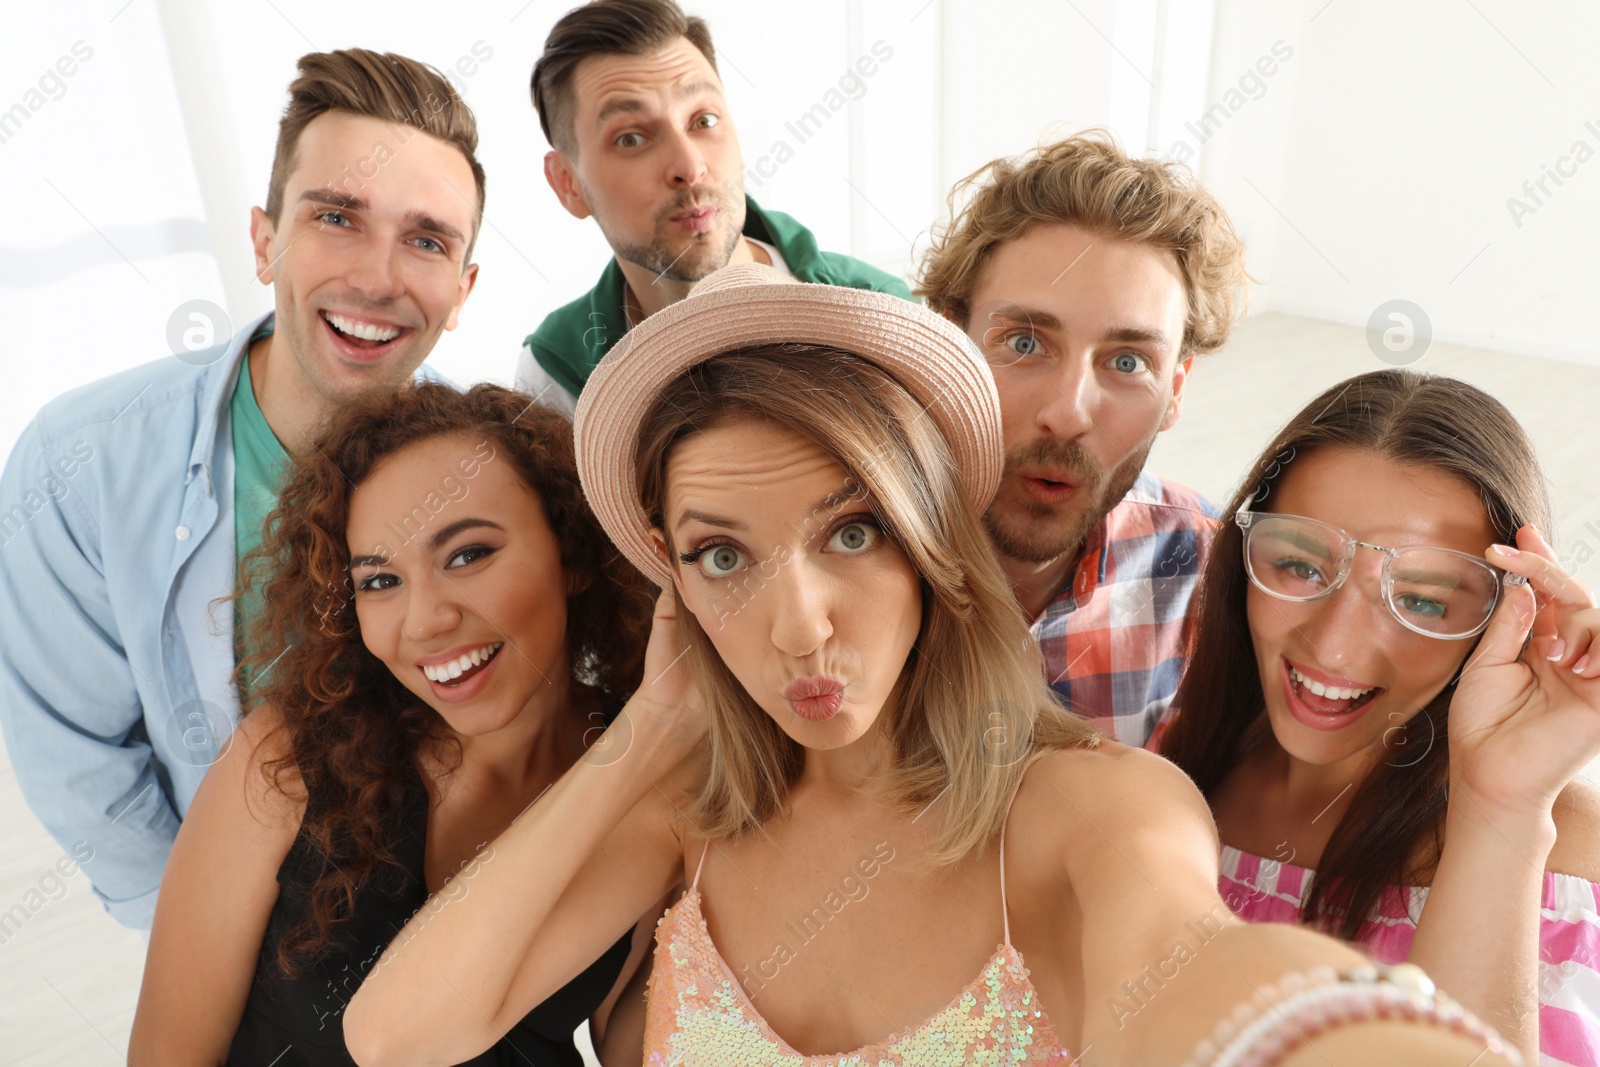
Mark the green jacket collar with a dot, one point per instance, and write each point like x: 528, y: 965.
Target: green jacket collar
x: 573, y: 339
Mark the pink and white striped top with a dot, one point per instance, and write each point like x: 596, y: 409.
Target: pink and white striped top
x: 1264, y: 890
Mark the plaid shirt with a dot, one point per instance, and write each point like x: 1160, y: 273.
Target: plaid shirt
x: 1116, y: 636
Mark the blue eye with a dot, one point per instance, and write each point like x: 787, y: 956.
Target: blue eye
x: 1128, y: 363
x: 330, y: 217
x: 1023, y: 344
x: 1420, y: 605
x: 715, y: 560
x: 854, y: 537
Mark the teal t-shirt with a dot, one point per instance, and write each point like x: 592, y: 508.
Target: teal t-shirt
x: 259, y: 461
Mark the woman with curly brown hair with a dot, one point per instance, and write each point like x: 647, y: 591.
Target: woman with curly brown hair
x: 446, y: 627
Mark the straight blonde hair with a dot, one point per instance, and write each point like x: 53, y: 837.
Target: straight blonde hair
x: 972, y: 702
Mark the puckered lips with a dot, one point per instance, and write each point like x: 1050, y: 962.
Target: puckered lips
x: 697, y: 219
x: 1321, y: 700
x: 815, y: 699
x: 362, y: 339
x: 1049, y: 485
x: 461, y: 673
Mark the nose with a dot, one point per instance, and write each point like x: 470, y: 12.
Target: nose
x: 375, y: 269
x: 431, y: 609
x: 799, y: 602
x: 686, y: 164
x: 1067, y: 403
x: 1350, y: 616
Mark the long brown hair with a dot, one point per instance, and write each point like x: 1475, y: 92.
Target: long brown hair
x: 353, y: 731
x: 1429, y: 421
x: 973, y: 697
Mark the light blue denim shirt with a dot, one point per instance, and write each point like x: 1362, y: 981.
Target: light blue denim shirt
x: 116, y: 535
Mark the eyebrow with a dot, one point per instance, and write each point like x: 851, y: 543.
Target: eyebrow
x: 628, y: 104
x: 1435, y: 579
x: 709, y: 520
x: 419, y: 220
x: 440, y: 536
x: 828, y: 503
x: 1027, y: 316
x: 1138, y: 335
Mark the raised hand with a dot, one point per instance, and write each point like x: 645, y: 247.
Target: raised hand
x: 668, y: 702
x: 1523, y: 723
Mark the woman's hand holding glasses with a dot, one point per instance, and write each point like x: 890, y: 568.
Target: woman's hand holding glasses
x: 1525, y: 719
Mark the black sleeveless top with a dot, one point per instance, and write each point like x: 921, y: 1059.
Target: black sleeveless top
x: 300, y: 1023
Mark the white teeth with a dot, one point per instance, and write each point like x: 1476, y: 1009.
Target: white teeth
x: 363, y: 330
x: 1332, y: 692
x: 445, y: 672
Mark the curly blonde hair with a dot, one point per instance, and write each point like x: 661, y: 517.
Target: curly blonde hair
x: 1087, y: 180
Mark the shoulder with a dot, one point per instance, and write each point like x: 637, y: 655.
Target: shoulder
x: 167, y: 387
x: 857, y: 274
x: 257, y: 767
x: 1577, y: 818
x: 1174, y: 502
x: 1116, y: 798
x: 559, y: 327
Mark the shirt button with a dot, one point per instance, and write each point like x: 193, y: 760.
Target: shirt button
x: 181, y: 533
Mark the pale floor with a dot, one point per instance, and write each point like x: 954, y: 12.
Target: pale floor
x: 69, y: 977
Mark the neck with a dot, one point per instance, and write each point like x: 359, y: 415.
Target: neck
x: 647, y: 292
x: 536, y: 747
x: 853, y: 770
x: 1322, y: 792
x: 1035, y: 585
x: 294, y: 412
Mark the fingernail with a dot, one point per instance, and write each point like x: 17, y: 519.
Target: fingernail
x: 1577, y: 668
x: 1507, y: 550
x: 1558, y: 648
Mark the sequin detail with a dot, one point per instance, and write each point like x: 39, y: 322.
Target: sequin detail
x: 697, y: 1015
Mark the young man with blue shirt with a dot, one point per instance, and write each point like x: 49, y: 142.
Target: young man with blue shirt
x: 116, y: 664
x: 642, y: 139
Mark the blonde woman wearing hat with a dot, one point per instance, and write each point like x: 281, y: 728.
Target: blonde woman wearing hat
x: 844, y: 747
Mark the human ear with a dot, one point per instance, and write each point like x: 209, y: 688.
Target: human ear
x: 1180, y: 378
x: 262, y: 233
x: 561, y: 173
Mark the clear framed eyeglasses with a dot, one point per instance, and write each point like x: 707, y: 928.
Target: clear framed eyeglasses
x: 1437, y: 592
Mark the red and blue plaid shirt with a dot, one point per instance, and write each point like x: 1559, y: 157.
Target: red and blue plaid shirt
x: 1116, y: 637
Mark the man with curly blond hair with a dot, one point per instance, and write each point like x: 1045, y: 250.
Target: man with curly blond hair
x: 1090, y: 281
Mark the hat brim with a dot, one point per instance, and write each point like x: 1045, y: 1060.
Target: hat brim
x: 745, y: 306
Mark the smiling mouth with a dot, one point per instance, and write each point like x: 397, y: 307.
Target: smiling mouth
x: 1330, y: 700
x: 464, y: 668
x: 359, y: 334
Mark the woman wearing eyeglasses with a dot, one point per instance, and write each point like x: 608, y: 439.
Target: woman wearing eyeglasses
x: 1370, y: 728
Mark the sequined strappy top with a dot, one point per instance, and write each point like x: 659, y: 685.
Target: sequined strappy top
x: 699, y: 1015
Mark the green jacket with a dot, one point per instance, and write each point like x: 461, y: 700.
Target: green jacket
x: 571, y: 341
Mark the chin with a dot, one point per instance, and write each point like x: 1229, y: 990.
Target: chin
x: 838, y: 732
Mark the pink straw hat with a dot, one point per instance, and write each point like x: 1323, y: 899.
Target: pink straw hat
x: 750, y: 304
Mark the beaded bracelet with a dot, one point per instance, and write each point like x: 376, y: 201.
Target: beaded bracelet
x: 1261, y: 1031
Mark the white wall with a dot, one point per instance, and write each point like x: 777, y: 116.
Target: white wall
x: 1381, y: 160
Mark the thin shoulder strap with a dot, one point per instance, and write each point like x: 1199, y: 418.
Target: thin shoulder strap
x: 700, y: 866
x: 1005, y: 909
